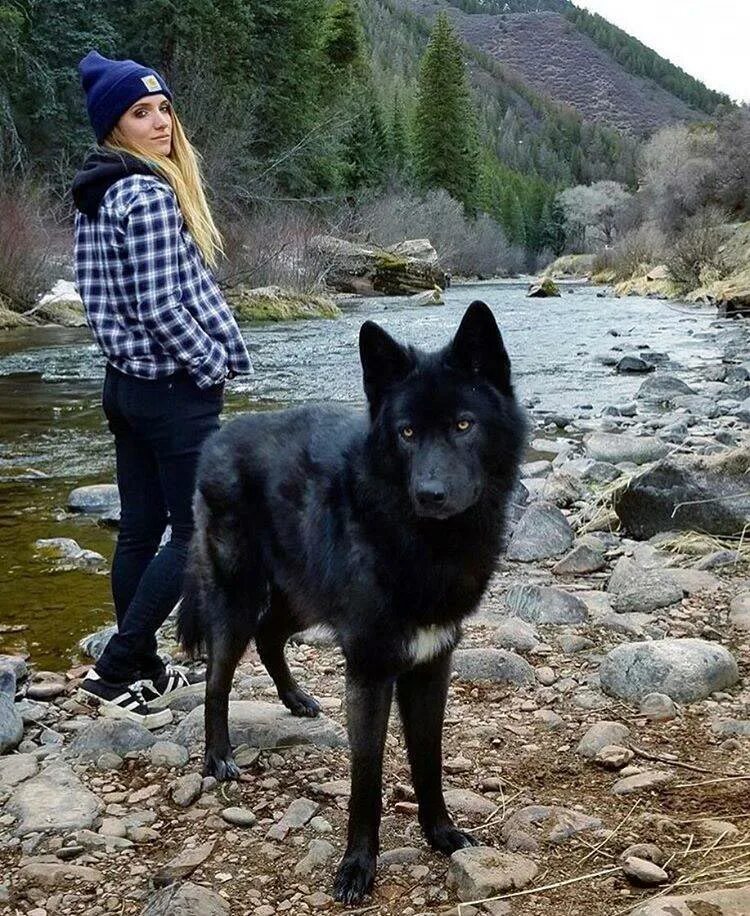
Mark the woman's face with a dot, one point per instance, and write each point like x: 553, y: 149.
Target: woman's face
x: 148, y: 122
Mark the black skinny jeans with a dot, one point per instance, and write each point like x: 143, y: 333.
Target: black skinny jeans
x: 159, y: 427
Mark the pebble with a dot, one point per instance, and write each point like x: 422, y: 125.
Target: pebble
x: 644, y: 872
x: 239, y: 817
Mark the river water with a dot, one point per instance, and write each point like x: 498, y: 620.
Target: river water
x: 53, y: 436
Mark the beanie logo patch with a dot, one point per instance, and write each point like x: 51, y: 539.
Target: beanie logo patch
x: 151, y: 83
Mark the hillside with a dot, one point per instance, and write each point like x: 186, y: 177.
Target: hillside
x: 551, y: 55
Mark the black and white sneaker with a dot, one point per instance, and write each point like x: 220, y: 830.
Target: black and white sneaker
x: 175, y: 682
x: 118, y: 701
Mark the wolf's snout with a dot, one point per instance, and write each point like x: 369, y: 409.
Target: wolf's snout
x: 430, y: 494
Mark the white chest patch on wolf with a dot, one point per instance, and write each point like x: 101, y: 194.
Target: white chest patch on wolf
x: 427, y: 642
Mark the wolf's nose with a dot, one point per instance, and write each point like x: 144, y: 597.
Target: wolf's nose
x: 431, y: 493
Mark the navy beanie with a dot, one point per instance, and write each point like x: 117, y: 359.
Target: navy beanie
x: 111, y: 87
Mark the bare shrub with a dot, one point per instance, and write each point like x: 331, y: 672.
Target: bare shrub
x: 28, y: 249
x: 637, y: 250
x: 604, y: 261
x: 695, y: 256
x: 269, y: 248
x: 596, y: 212
x: 678, y: 174
x: 467, y: 247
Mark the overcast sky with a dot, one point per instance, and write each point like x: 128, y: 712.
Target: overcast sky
x: 707, y: 38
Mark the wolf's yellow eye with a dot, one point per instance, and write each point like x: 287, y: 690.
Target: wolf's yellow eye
x: 407, y: 432
x: 463, y: 425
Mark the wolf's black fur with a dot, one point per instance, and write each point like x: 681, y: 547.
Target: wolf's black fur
x: 386, y: 527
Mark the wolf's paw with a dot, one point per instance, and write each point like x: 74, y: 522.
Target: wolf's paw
x: 301, y: 703
x: 222, y: 767
x: 447, y: 839
x: 355, y: 878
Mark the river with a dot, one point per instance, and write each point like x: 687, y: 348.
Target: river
x: 53, y: 436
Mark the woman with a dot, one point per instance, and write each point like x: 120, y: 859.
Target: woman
x: 144, y: 245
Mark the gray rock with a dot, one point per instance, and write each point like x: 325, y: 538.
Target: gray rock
x: 634, y: 588
x: 633, y: 364
x: 614, y: 757
x: 94, y: 644
x: 684, y: 669
x: 96, y: 499
x: 537, y: 825
x: 536, y: 469
x: 118, y: 736
x: 477, y: 872
x: 11, y: 723
x: 70, y: 554
x: 184, y: 863
x: 542, y: 532
x: 616, y: 448
x: 296, y: 815
x: 734, y: 902
x: 662, y: 389
x: 641, y: 782
x: 590, y: 471
x: 739, y: 612
x: 492, y: 665
x: 260, y: 724
x: 545, y: 605
x: 168, y: 754
x: 240, y: 817
x: 515, y: 634
x: 16, y: 768
x: 319, y: 852
x: 689, y: 493
x: 602, y: 734
x: 45, y: 685
x: 658, y: 707
x: 187, y: 789
x: 464, y: 801
x: 731, y: 728
x: 16, y: 664
x: 55, y: 801
x: 402, y: 855
x: 641, y: 871
x: 582, y: 560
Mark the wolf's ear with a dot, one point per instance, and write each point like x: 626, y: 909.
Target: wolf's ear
x: 384, y: 361
x: 478, y: 348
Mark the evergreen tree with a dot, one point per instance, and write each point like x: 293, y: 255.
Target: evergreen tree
x: 445, y: 130
x: 366, y: 150
x: 344, y: 41
x: 512, y: 217
x: 399, y: 140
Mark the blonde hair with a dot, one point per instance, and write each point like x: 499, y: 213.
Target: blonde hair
x: 181, y: 168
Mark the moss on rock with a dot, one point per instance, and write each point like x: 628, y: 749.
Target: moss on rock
x: 272, y: 303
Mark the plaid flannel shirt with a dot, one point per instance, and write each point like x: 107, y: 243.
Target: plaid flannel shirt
x: 151, y: 303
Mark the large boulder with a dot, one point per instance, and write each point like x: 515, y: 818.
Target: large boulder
x: 260, y: 724
x: 633, y: 587
x: 731, y: 902
x: 55, y: 801
x: 696, y: 493
x: 11, y: 723
x: 614, y: 448
x: 686, y: 670
x: 495, y: 665
x: 369, y: 270
x: 545, y: 289
x: 542, y: 532
x: 544, y: 604
x: 662, y: 389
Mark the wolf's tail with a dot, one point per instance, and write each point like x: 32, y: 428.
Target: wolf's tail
x: 190, y: 626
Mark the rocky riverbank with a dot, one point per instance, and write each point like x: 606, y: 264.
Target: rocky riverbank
x: 728, y: 288
x: 597, y: 734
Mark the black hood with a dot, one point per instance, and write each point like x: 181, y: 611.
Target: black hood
x: 102, y: 168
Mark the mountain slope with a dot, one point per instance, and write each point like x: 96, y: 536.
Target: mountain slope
x: 629, y: 52
x: 548, y: 52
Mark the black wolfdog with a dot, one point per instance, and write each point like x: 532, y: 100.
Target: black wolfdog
x: 384, y: 527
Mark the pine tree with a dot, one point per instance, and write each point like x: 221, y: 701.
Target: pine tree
x: 399, y: 140
x: 344, y: 41
x: 512, y: 217
x: 445, y: 131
